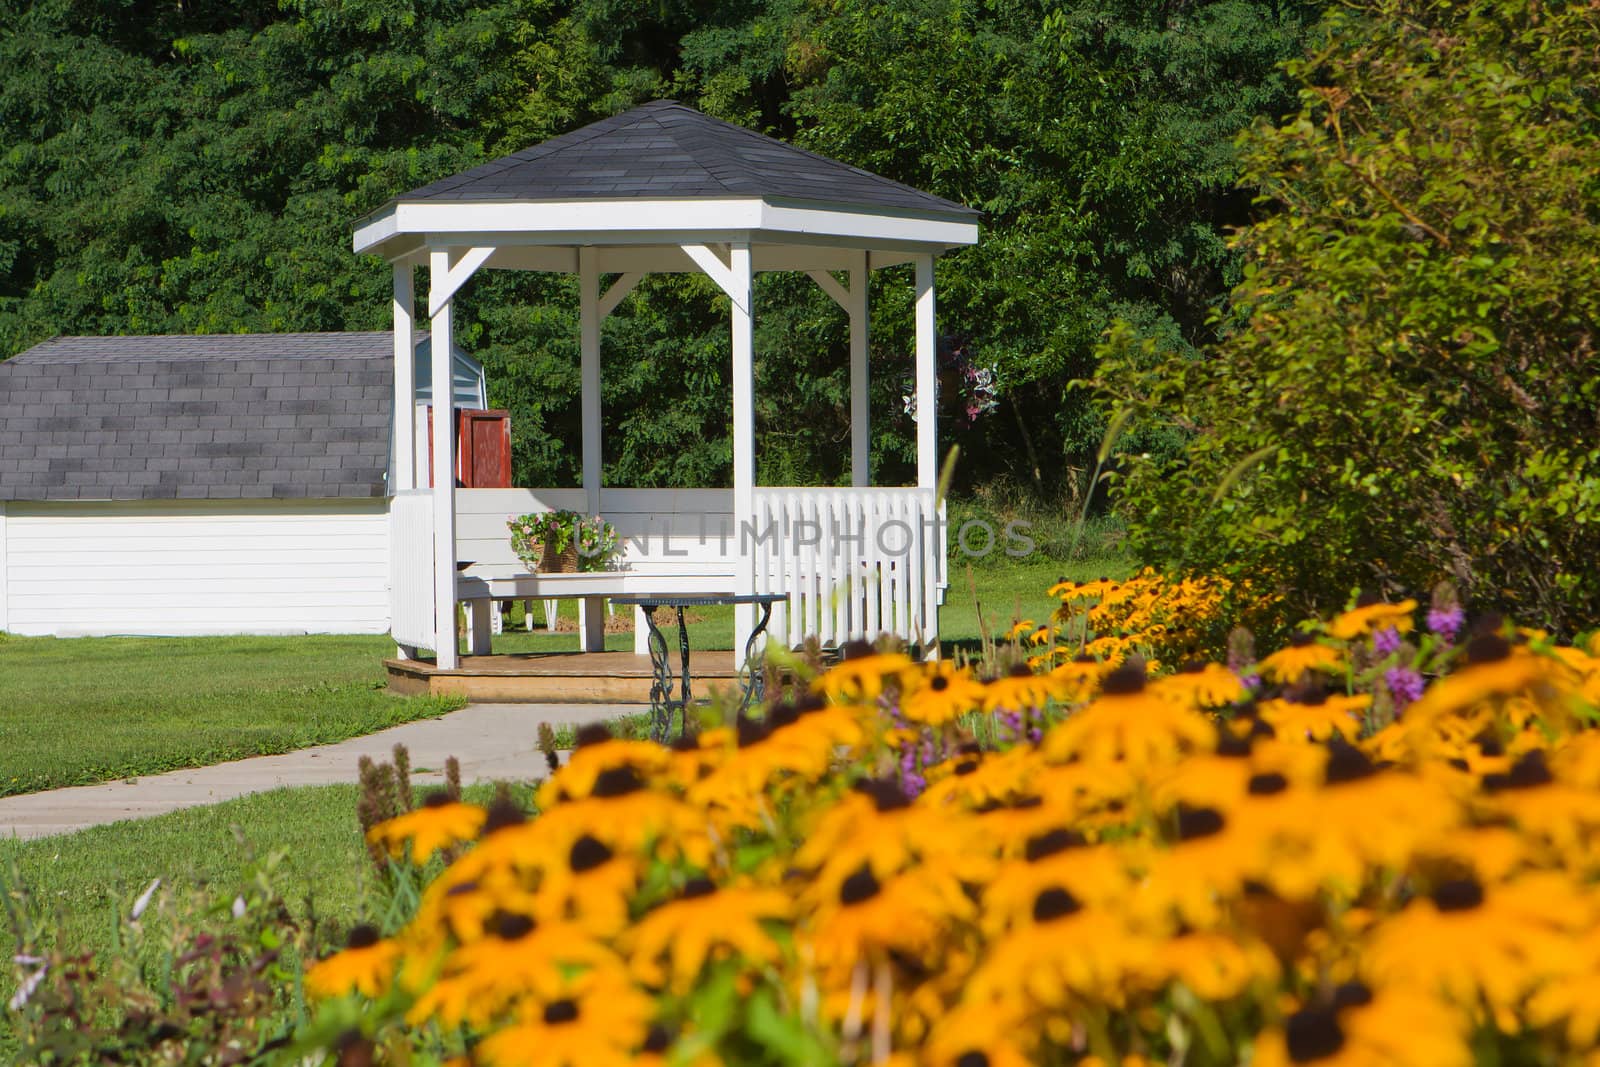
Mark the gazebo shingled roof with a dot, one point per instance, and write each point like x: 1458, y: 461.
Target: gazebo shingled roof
x: 664, y: 149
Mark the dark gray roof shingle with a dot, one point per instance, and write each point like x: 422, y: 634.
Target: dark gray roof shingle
x: 664, y: 149
x: 214, y: 416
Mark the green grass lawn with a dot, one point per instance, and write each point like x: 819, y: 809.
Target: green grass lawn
x: 98, y: 709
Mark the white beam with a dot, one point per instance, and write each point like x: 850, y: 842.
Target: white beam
x: 619, y: 289
x: 441, y: 290
x: 644, y: 221
x: 740, y: 290
x: 830, y: 285
x: 927, y: 378
x: 589, y: 395
x: 403, y: 469
x: 725, y: 273
x: 860, y: 382
x: 444, y: 467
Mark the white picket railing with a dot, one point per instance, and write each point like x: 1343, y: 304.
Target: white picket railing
x: 411, y: 618
x: 855, y: 562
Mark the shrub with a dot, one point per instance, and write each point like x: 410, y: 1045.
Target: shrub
x: 1408, y: 388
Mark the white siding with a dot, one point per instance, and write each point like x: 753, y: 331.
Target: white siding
x: 195, y: 567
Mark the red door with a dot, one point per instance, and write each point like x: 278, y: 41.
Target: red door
x: 483, y: 448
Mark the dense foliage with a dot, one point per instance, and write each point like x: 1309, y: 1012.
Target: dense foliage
x: 182, y: 168
x: 1408, y: 386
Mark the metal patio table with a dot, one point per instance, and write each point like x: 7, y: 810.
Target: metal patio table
x: 662, y: 702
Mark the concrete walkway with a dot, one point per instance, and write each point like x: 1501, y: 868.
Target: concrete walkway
x: 492, y: 741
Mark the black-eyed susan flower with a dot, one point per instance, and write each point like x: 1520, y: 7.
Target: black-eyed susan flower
x: 1021, y: 689
x: 1067, y: 953
x: 1360, y: 1028
x: 1303, y: 655
x: 439, y: 823
x: 1494, y: 669
x: 670, y: 944
x: 1198, y: 684
x: 365, y: 965
x: 1371, y: 615
x: 862, y: 673
x: 1128, y: 722
x: 1316, y: 715
x: 1502, y: 940
x: 517, y: 958
x: 941, y: 694
x: 601, y: 1021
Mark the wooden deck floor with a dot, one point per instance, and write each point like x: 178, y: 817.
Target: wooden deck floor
x: 553, y: 677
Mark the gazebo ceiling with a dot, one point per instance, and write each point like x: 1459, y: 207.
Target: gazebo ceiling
x: 657, y: 177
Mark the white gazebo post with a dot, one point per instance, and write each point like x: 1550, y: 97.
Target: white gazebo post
x: 860, y: 383
x: 403, y: 463
x: 591, y: 610
x: 741, y: 293
x: 404, y: 471
x: 928, y: 435
x: 927, y: 378
x: 444, y: 460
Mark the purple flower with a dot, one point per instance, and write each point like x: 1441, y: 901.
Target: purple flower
x: 1446, y: 622
x: 1386, y: 641
x: 1405, y: 683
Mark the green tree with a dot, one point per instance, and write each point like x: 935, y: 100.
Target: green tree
x: 1407, y: 387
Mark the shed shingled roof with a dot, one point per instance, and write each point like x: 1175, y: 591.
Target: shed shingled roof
x: 666, y: 150
x: 224, y: 416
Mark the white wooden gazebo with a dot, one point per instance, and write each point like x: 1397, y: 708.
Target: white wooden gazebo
x: 665, y: 188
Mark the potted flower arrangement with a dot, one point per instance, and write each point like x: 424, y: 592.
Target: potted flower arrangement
x: 563, y: 542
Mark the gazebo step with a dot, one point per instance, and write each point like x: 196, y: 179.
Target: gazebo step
x: 553, y: 677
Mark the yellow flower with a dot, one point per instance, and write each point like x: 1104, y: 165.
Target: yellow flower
x: 519, y: 958
x: 942, y: 694
x: 1303, y: 655
x: 1494, y: 669
x: 603, y: 1022
x: 365, y: 965
x: 1468, y: 940
x: 1368, y: 618
x: 439, y: 823
x: 1202, y: 685
x: 862, y: 673
x: 597, y: 753
x: 1067, y: 952
x: 1021, y: 690
x: 868, y: 917
x: 1315, y: 715
x: 1360, y: 1028
x: 1129, y: 722
x: 1214, y: 966
x: 704, y: 921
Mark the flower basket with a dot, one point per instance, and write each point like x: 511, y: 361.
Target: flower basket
x: 563, y: 542
x: 554, y: 562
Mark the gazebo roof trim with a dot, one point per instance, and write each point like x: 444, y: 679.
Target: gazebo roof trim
x: 665, y: 150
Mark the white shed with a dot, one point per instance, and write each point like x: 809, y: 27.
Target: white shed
x: 200, y: 485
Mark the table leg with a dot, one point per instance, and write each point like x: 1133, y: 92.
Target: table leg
x: 592, y: 624
x: 661, y: 687
x: 480, y: 613
x: 753, y: 686
x: 686, y: 700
